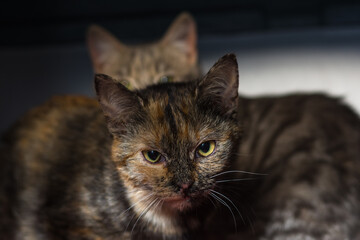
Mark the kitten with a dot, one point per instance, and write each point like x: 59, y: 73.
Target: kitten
x: 72, y: 176
x: 173, y: 58
x: 188, y: 160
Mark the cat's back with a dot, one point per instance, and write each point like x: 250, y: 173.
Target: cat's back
x: 49, y: 144
x: 277, y: 127
x: 309, y: 147
x: 54, y: 111
x: 316, y: 115
x: 46, y: 128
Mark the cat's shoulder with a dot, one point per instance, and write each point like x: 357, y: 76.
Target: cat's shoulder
x: 54, y: 114
x: 63, y: 106
x: 67, y: 102
x: 300, y: 103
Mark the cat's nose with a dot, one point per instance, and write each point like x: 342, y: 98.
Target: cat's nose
x: 185, y: 188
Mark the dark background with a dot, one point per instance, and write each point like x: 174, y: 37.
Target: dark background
x: 43, y: 52
x: 25, y: 23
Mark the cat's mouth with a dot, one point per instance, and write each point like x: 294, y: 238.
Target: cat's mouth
x: 182, y: 202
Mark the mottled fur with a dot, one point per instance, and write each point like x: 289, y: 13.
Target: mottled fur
x: 173, y: 58
x: 309, y: 147
x: 73, y: 174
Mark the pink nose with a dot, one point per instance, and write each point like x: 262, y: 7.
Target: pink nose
x: 184, y: 188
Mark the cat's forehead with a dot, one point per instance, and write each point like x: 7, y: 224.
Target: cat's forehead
x: 171, y: 111
x: 175, y: 95
x: 140, y: 66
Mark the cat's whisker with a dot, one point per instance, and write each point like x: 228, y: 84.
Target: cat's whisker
x: 251, y: 221
x: 157, y: 205
x: 238, y: 171
x: 230, y: 202
x: 232, y: 190
x: 134, y: 214
x: 247, y: 217
x: 142, y: 214
x: 212, y: 202
x: 226, y: 205
x: 235, y: 180
x: 155, y: 209
x: 142, y: 199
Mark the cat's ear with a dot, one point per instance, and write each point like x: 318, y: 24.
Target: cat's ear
x: 219, y: 87
x: 183, y: 35
x: 102, y: 46
x: 119, y: 104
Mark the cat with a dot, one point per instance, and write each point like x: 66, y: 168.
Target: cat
x: 184, y: 160
x: 173, y: 58
x: 77, y: 170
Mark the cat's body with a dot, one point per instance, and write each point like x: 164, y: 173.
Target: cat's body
x: 68, y: 178
x: 309, y: 147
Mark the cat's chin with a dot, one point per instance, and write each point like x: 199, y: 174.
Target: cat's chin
x: 178, y: 203
x: 182, y: 203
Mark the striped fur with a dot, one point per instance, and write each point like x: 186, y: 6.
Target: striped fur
x: 283, y: 167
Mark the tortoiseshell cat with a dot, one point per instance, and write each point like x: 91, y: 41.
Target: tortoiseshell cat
x: 188, y: 160
x: 173, y: 58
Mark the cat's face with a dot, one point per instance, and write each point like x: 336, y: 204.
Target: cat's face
x: 171, y: 139
x: 173, y: 58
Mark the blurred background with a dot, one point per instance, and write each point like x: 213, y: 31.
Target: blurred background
x: 282, y: 46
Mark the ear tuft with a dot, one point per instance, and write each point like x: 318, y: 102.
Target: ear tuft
x: 220, y: 85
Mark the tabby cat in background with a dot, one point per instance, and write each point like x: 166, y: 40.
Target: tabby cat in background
x: 173, y: 58
x: 188, y: 160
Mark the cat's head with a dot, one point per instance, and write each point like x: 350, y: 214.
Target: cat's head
x: 173, y: 58
x: 171, y: 139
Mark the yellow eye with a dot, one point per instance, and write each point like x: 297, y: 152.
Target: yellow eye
x: 123, y: 79
x: 152, y: 156
x: 165, y: 79
x: 206, y: 148
x: 126, y: 84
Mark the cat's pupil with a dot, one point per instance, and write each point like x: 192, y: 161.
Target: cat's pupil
x: 204, y: 147
x: 153, y: 155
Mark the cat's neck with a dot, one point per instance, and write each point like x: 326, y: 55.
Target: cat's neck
x: 159, y: 219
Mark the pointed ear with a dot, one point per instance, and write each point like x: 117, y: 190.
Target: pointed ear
x: 219, y: 87
x: 119, y: 104
x: 102, y: 46
x: 182, y: 34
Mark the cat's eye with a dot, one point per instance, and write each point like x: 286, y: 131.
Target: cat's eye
x: 165, y: 79
x: 126, y: 84
x: 121, y: 77
x: 205, y: 149
x: 152, y: 156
